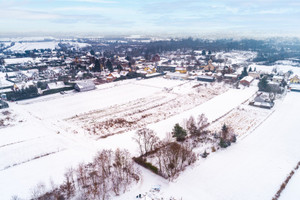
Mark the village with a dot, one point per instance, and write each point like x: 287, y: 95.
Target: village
x: 32, y: 73
x: 79, y: 101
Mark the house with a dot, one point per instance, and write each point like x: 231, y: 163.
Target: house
x: 181, y: 70
x: 205, y: 78
x: 209, y: 67
x: 113, y: 76
x: 246, y: 81
x: 295, y: 79
x: 150, y: 69
x: 123, y: 73
x: 261, y: 101
x: 275, y: 87
x: 85, y: 85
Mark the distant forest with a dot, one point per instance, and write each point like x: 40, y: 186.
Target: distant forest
x: 269, y: 51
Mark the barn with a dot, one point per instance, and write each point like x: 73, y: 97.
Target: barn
x: 205, y: 78
x: 86, y: 85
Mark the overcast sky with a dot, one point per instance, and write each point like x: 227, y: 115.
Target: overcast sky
x: 280, y: 17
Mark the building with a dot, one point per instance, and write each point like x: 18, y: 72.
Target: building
x: 169, y: 68
x: 295, y: 79
x: 294, y: 87
x: 177, y: 76
x: 231, y: 76
x: 205, y: 78
x: 262, y: 102
x: 181, y: 70
x: 56, y: 85
x: 246, y: 81
x: 209, y: 67
x: 85, y: 85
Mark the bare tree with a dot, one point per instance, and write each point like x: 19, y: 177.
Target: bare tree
x: 146, y: 139
x: 202, y: 123
x: 173, y: 158
x: 191, y: 126
x: 69, y: 184
x: 38, y: 191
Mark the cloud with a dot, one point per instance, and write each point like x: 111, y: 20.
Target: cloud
x: 93, y: 1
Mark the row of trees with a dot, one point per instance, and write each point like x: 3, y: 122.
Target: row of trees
x: 193, y: 127
x: 109, y: 174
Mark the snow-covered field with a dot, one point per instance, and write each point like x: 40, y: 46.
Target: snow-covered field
x: 236, y: 57
x: 42, y: 147
x: 241, y: 119
x: 21, y: 60
x: 23, y: 46
x: 31, y: 45
x: 281, y: 66
x: 77, y: 44
x: 143, y: 111
x: 254, y: 168
x: 292, y: 191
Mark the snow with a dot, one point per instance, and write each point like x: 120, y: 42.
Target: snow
x: 3, y: 81
x: 254, y: 168
x: 283, y: 66
x: 292, y: 191
x: 213, y: 109
x: 29, y: 39
x: 23, y: 46
x: 41, y: 146
x: 236, y: 57
x: 10, y: 61
x: 77, y: 44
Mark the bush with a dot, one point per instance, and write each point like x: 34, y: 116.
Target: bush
x: 142, y: 162
x: 224, y: 143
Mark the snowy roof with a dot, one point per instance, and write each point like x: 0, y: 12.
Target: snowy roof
x: 123, y: 73
x: 85, y: 84
x: 248, y: 79
x: 56, y: 85
x: 295, y: 86
x: 278, y: 77
x: 231, y: 75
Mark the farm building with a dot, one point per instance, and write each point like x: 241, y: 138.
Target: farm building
x: 56, y: 85
x: 169, y: 68
x: 177, y: 76
x: 86, y: 85
x: 246, y: 81
x: 205, y: 78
